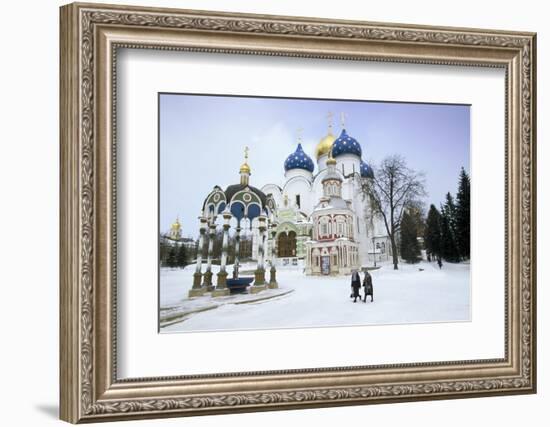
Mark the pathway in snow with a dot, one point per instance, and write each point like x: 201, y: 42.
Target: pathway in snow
x: 407, y: 295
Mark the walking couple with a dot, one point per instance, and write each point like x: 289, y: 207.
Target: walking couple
x: 356, y: 286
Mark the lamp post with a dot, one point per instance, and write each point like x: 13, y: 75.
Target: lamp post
x: 221, y: 285
x: 237, y: 250
x: 259, y: 282
x: 197, y: 289
x: 208, y: 273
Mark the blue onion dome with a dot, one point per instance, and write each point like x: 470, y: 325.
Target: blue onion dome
x: 346, y: 144
x: 299, y: 160
x: 366, y: 170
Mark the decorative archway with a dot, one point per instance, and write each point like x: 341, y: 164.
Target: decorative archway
x: 286, y: 244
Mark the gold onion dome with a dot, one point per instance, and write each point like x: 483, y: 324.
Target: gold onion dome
x: 325, y: 144
x: 176, y: 225
x: 245, y: 168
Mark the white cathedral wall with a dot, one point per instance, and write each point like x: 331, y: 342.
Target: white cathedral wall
x: 365, y: 234
x: 360, y: 225
x: 275, y: 191
x: 348, y: 190
x: 348, y: 164
x: 322, y: 162
x: 298, y: 172
x: 367, y: 224
x: 317, y: 189
x: 299, y: 185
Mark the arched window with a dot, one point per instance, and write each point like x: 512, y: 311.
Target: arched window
x: 341, y: 229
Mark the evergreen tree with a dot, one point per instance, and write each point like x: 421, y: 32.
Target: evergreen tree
x: 410, y: 248
x: 463, y: 215
x: 164, y: 249
x: 449, y: 210
x: 432, y: 234
x: 181, y: 257
x: 416, y: 212
x: 171, y: 260
x: 449, y: 251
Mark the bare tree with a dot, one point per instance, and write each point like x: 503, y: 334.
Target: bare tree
x: 393, y: 188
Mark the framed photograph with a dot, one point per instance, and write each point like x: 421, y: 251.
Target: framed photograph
x: 267, y: 212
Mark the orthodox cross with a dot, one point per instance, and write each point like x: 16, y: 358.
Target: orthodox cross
x: 329, y: 119
x: 246, y: 153
x: 299, y: 134
x: 343, y: 119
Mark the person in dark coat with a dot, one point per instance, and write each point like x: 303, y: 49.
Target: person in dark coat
x: 367, y: 284
x: 439, y: 263
x: 355, y: 286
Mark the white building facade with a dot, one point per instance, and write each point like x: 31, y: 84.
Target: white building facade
x: 323, y: 222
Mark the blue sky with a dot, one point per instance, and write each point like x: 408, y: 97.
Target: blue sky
x: 202, y: 140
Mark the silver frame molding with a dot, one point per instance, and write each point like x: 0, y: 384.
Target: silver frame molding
x: 90, y: 37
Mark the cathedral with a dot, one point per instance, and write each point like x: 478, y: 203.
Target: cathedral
x: 316, y: 220
x: 323, y: 220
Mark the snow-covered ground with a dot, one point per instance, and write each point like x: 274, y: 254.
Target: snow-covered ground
x: 413, y: 294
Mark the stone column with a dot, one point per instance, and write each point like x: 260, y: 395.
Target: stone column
x: 197, y: 289
x: 259, y: 283
x: 208, y: 274
x: 237, y: 250
x: 273, y: 271
x: 221, y: 285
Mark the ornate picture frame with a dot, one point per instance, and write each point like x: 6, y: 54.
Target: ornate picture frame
x: 90, y: 37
